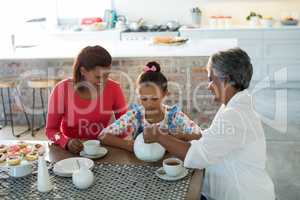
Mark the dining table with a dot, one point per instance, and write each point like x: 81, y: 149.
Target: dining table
x: 116, y: 160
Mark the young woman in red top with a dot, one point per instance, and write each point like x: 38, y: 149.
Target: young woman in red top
x: 79, y: 108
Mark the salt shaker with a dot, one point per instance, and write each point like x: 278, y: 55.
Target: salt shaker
x: 43, y: 182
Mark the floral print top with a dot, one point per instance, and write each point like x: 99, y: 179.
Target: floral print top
x: 133, y: 122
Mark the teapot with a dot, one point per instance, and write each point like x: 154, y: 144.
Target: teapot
x: 147, y: 152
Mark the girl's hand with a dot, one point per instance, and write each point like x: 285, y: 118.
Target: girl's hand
x: 74, y: 146
x: 150, y: 134
x: 130, y: 144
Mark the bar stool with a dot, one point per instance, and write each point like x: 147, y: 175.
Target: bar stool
x: 41, y: 85
x: 9, y: 84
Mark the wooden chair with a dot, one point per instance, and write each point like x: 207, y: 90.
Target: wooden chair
x: 41, y: 85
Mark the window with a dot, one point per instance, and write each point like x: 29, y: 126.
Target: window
x: 15, y: 13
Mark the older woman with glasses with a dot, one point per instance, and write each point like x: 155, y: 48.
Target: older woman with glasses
x: 233, y: 149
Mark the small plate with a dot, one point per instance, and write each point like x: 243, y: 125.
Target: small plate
x: 67, y: 166
x: 162, y: 174
x: 102, y: 152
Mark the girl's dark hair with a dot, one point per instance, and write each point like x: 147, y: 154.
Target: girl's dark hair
x: 153, y: 75
x: 89, y: 58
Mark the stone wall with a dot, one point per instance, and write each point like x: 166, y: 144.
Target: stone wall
x: 187, y: 82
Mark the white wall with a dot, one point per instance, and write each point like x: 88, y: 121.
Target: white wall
x: 155, y: 11
x: 159, y: 11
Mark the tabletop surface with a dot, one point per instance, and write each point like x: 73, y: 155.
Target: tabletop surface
x: 118, y: 156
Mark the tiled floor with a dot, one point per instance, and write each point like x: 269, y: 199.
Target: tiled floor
x: 6, y: 134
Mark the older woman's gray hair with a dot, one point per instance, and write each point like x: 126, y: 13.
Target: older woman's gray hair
x: 234, y: 66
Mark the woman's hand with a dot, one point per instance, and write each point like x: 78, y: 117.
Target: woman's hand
x: 186, y: 137
x: 115, y: 141
x: 75, y: 146
x: 174, y: 146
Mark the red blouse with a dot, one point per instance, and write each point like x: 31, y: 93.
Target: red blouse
x: 70, y: 116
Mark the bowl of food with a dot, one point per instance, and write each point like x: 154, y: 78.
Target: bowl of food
x: 289, y: 21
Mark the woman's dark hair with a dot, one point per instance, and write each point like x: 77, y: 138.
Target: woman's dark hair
x: 153, y: 75
x: 233, y: 65
x: 89, y: 58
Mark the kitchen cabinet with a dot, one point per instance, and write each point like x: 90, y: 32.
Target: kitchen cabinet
x: 282, y: 49
x: 86, y: 36
x: 284, y: 72
x: 282, y: 57
x: 270, y: 49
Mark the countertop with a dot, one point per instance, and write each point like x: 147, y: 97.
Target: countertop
x: 239, y: 28
x: 119, y: 49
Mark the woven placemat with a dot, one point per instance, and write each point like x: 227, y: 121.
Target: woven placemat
x: 112, y: 182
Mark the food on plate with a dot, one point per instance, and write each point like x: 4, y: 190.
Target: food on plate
x: 13, y: 160
x: 13, y: 150
x: 168, y: 40
x: 2, y: 157
x: 162, y: 39
x: 3, y: 148
x: 25, y: 150
x: 22, y: 145
x: 39, y: 148
x: 32, y: 156
x: 13, y: 154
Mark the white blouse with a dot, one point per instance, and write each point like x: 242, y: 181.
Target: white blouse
x: 233, y: 152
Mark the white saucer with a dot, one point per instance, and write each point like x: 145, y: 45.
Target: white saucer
x: 102, y: 152
x: 162, y: 174
x: 67, y: 166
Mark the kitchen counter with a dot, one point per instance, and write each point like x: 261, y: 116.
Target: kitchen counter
x: 57, y: 49
x: 235, y: 28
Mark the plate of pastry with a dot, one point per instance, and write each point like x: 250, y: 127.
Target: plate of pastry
x: 168, y: 40
x: 20, y: 153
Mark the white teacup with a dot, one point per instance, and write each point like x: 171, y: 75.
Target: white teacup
x: 173, y: 166
x: 91, y: 147
x: 20, y: 170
